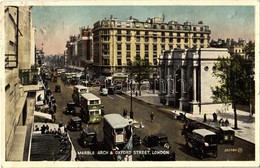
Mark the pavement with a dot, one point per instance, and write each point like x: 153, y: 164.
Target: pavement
x: 245, y: 122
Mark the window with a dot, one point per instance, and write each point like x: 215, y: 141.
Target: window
x: 154, y: 39
x: 93, y: 102
x: 128, y: 54
x: 146, y: 54
x: 155, y: 47
x: 186, y: 40
x: 146, y: 47
x: 195, y: 40
x: 163, y: 47
x: 128, y: 61
x: 206, y: 68
x: 194, y: 28
x: 170, y: 39
x: 119, y: 62
x: 155, y: 61
x: 119, y: 38
x: 105, y: 47
x: 119, y: 54
x: 154, y: 26
x: 106, y: 61
x: 138, y: 38
x: 118, y: 46
x: 118, y: 31
x: 163, y: 39
x: 146, y: 39
x: 178, y: 40
x: 128, y: 47
x: 137, y: 47
x: 128, y: 38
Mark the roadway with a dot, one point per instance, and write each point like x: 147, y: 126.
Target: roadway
x: 164, y: 123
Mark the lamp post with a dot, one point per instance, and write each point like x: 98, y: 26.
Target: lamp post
x: 131, y: 102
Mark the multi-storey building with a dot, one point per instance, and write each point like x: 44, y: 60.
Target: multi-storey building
x: 234, y: 47
x: 19, y: 75
x: 186, y: 78
x: 117, y: 42
x: 79, y: 49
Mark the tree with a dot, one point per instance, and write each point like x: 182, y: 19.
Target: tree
x: 140, y: 70
x: 236, y: 81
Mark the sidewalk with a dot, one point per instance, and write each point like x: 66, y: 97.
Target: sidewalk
x: 245, y: 123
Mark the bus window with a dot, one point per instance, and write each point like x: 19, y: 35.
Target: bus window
x: 119, y: 131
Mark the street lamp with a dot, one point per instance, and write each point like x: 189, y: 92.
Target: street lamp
x: 131, y: 104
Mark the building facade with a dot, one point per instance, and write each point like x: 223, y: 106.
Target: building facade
x: 19, y: 58
x: 117, y: 42
x: 186, y: 79
x: 234, y: 47
x: 79, y: 49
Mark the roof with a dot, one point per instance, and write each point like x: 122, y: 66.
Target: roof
x: 90, y: 96
x: 46, y: 147
x: 75, y: 118
x: 80, y: 86
x: 42, y: 115
x: 226, y: 128
x: 116, y: 120
x: 203, y: 132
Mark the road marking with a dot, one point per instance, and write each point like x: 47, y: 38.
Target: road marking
x: 120, y: 96
x: 110, y: 97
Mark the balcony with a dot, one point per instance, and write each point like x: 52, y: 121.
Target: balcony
x: 29, y: 76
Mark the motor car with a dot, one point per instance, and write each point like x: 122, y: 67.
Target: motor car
x: 158, y: 139
x: 75, y: 124
x: 202, y: 142
x: 226, y: 135
x: 71, y: 108
x: 104, y: 92
x: 111, y: 90
x: 88, y: 137
x: 57, y: 88
x: 158, y: 153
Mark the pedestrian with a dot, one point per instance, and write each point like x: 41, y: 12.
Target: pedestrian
x: 205, y: 118
x: 54, y: 107
x: 60, y: 124
x: 36, y: 128
x: 215, y: 117
x: 226, y: 122
x: 136, y: 94
x: 124, y: 113
x: 221, y: 121
x: 152, y: 116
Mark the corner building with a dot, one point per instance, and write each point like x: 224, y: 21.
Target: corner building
x: 117, y: 42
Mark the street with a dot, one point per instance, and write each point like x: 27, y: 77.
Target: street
x: 162, y: 123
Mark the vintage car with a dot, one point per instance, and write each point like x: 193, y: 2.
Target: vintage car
x: 57, y: 88
x: 226, y: 135
x: 75, y: 124
x: 88, y: 137
x: 71, y: 108
x: 158, y: 139
x: 203, y: 142
x: 158, y: 153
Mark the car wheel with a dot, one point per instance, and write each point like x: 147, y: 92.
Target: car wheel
x: 215, y: 154
x: 200, y: 153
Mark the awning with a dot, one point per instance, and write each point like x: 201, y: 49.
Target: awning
x: 42, y: 115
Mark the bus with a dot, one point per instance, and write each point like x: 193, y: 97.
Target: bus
x: 119, y: 79
x: 117, y: 134
x: 91, y: 108
x: 78, y: 90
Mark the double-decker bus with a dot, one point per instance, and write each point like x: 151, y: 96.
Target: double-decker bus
x: 117, y: 134
x: 90, y: 108
x: 78, y: 90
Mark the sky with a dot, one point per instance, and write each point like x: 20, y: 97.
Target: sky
x: 54, y: 24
